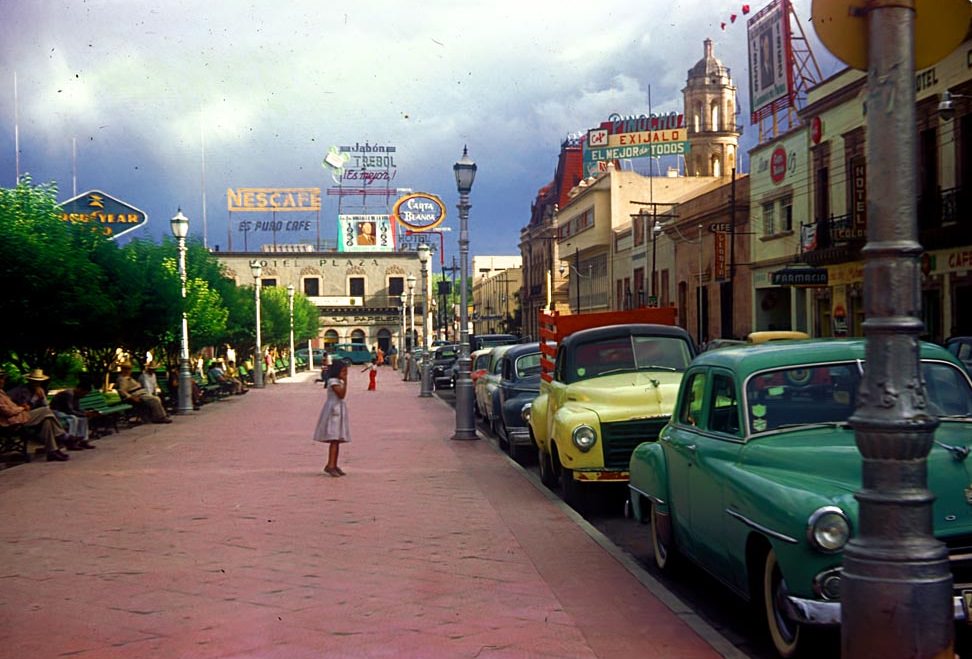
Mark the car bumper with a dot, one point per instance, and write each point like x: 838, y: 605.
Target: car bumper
x: 818, y: 612
x: 518, y: 436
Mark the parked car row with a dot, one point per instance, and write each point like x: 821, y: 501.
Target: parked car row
x: 740, y: 460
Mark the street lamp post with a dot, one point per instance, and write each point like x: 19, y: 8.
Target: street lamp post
x: 700, y: 289
x: 290, y: 300
x: 656, y: 229
x: 465, y: 171
x: 180, y: 229
x: 426, y: 375
x: 256, y: 270
x: 401, y: 347
x: 896, y: 587
x: 410, y: 281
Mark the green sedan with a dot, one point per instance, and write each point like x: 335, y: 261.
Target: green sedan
x: 753, y: 478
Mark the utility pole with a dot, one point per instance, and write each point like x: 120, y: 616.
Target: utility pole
x: 732, y: 259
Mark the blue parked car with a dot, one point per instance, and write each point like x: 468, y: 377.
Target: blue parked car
x: 519, y: 384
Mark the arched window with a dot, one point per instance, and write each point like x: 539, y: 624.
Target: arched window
x: 714, y: 109
x: 716, y: 166
x: 697, y: 118
x: 330, y: 338
x: 357, y: 336
x: 384, y: 339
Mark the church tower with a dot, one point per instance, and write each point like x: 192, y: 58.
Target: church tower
x: 710, y: 115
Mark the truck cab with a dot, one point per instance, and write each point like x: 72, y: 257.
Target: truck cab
x: 604, y: 390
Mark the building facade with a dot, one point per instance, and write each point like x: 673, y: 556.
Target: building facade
x: 496, y: 300
x: 358, y: 296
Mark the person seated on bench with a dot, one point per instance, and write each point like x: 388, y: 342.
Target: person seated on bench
x: 133, y: 393
x: 233, y: 374
x: 67, y: 407
x: 148, y: 380
x: 218, y: 376
x: 42, y: 420
x: 197, y: 394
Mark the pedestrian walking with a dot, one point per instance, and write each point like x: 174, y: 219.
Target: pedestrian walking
x: 372, y: 375
x: 334, y: 426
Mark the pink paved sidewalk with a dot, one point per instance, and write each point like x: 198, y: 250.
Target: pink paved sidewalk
x: 217, y: 536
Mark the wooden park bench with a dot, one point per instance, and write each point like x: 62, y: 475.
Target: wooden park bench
x: 109, y: 407
x: 15, y: 439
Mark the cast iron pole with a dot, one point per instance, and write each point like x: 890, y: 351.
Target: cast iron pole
x: 896, y: 598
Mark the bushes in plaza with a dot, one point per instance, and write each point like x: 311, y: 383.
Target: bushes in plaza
x: 73, y: 294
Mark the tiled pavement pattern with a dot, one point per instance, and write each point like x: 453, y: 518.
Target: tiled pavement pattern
x: 217, y: 536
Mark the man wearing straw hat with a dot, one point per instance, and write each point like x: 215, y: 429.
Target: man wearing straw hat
x: 42, y: 419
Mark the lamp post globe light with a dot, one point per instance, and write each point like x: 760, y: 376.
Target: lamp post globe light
x: 256, y: 270
x: 423, y: 257
x: 180, y: 229
x: 465, y: 171
x: 290, y: 300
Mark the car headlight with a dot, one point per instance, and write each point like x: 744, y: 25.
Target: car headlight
x: 828, y: 529
x: 525, y: 412
x: 584, y: 437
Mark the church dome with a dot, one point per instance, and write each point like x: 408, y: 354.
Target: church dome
x: 709, y: 66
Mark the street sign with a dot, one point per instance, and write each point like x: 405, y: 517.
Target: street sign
x: 103, y: 212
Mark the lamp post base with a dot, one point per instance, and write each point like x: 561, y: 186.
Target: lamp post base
x: 465, y: 423
x: 185, y: 388
x: 426, y: 391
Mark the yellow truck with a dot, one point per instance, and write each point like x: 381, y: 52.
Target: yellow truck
x: 608, y: 383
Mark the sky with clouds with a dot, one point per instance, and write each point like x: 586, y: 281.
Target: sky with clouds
x: 267, y: 87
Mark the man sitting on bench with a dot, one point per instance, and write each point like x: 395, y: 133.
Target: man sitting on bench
x: 133, y: 393
x: 218, y: 376
x: 42, y: 420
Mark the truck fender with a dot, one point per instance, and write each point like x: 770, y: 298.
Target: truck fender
x: 538, y: 421
x: 649, y: 480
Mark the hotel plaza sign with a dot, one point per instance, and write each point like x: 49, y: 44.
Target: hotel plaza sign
x: 113, y: 217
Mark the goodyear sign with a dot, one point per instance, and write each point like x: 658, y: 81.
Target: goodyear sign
x: 100, y: 210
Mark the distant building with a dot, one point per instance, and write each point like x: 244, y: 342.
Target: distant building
x: 496, y: 300
x: 357, y: 295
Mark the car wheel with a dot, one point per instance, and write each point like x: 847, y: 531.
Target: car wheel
x: 547, y: 476
x: 569, y: 488
x: 784, y: 632
x: 663, y: 550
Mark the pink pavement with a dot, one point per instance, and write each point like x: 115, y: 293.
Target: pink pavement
x: 218, y: 536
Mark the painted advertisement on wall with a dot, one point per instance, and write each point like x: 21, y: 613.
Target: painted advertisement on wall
x: 365, y: 233
x: 770, y: 60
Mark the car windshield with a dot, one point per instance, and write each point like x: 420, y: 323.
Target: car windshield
x: 445, y: 353
x: 630, y: 353
x: 827, y: 393
x: 527, y: 365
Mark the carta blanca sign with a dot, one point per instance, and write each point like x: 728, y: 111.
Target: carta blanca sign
x: 638, y: 151
x: 419, y: 211
x: 100, y: 210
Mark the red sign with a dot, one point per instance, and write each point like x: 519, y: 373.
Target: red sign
x: 816, y: 130
x: 721, y: 252
x: 778, y: 165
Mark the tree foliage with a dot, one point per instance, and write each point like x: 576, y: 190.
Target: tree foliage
x: 71, y: 290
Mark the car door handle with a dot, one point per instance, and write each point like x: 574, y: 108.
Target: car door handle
x: 690, y: 447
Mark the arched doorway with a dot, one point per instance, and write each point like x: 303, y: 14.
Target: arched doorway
x: 358, y: 336
x: 384, y: 339
x: 330, y: 338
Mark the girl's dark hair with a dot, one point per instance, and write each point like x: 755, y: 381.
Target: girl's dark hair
x: 334, y: 371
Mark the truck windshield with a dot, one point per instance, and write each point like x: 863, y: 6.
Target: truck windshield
x: 629, y: 353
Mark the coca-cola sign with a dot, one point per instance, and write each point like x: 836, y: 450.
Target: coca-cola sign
x: 778, y: 164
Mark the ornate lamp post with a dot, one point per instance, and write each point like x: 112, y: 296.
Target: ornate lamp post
x: 256, y: 270
x: 410, y: 282
x: 465, y: 171
x: 423, y: 257
x: 401, y: 348
x: 655, y: 230
x: 180, y: 229
x: 290, y: 300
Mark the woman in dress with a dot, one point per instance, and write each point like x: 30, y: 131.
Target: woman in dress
x: 372, y: 374
x: 334, y: 426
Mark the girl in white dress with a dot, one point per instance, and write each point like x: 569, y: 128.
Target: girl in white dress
x: 334, y: 426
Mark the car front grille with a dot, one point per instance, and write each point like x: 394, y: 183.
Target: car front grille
x: 621, y: 437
